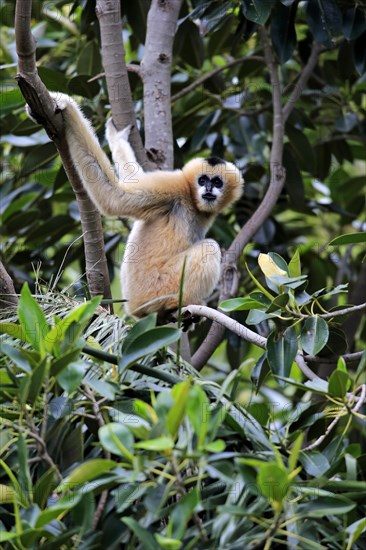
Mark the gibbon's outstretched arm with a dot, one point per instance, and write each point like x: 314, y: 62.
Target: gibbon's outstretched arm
x: 133, y: 194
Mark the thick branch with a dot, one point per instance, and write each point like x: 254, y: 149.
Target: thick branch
x: 156, y: 71
x: 114, y: 63
x: 43, y: 108
x: 8, y: 297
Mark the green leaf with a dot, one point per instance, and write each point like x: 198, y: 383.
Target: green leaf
x: 279, y: 302
x: 198, y: 412
x: 182, y: 513
x: 273, y: 482
x: 65, y: 503
x: 82, y: 85
x: 339, y: 383
x: 327, y: 506
x: 14, y: 330
x: 302, y: 149
x: 354, y: 531
x: 140, y: 327
x: 117, y: 439
x: 359, y: 54
x: 281, y: 351
x: 349, y: 238
x: 176, y: 414
x: 314, y: 335
x: 44, y: 486
x: 17, y: 356
x: 158, y: 444
x: 89, y: 470
x: 354, y: 23
x: 71, y: 376
x: 315, y: 463
x: 148, y: 343
x: 283, y: 33
x: 37, y: 380
x: 295, y: 452
x: 325, y: 20
x: 217, y: 446
x: 168, y: 543
x: 143, y: 535
x: 7, y: 495
x: 70, y: 326
x: 240, y: 304
x: 257, y: 10
x: 32, y: 320
x: 260, y: 371
x: 24, y: 477
x: 21, y: 495
x: 294, y: 266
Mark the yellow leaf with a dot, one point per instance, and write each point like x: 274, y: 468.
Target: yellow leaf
x: 268, y: 266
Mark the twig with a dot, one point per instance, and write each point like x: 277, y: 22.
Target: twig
x: 348, y: 357
x: 303, y: 79
x: 335, y: 421
x: 183, y: 491
x: 336, y: 313
x: 31, y: 430
x: 212, y: 73
x: 107, y: 455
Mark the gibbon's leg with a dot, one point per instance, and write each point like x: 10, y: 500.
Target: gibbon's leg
x: 202, y: 273
x: 124, y: 159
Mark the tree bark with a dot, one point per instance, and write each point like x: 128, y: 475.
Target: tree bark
x: 156, y: 71
x: 8, y: 297
x: 43, y: 108
x: 116, y: 74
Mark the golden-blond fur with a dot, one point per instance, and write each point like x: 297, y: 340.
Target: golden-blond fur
x: 172, y: 217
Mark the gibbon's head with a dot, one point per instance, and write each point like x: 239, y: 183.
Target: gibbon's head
x: 214, y: 183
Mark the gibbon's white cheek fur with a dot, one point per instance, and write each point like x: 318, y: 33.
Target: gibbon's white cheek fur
x: 173, y: 213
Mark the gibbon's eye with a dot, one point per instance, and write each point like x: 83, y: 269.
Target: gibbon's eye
x: 202, y: 180
x: 217, y: 182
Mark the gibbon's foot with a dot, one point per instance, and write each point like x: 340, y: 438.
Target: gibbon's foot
x: 188, y: 320
x: 171, y: 316
x: 167, y: 316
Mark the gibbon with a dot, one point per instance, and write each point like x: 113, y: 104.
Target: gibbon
x: 173, y: 211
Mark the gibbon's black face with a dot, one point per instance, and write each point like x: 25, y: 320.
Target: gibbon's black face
x: 211, y: 184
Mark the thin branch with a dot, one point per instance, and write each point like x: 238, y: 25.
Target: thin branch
x: 302, y: 81
x: 212, y: 73
x: 32, y: 432
x: 250, y: 336
x: 348, y: 357
x: 104, y: 495
x: 359, y: 402
x: 336, y: 313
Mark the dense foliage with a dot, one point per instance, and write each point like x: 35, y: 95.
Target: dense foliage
x: 109, y: 440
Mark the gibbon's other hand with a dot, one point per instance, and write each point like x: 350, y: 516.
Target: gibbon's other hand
x: 113, y: 135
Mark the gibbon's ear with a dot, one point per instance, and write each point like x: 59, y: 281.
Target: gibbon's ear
x: 213, y: 166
